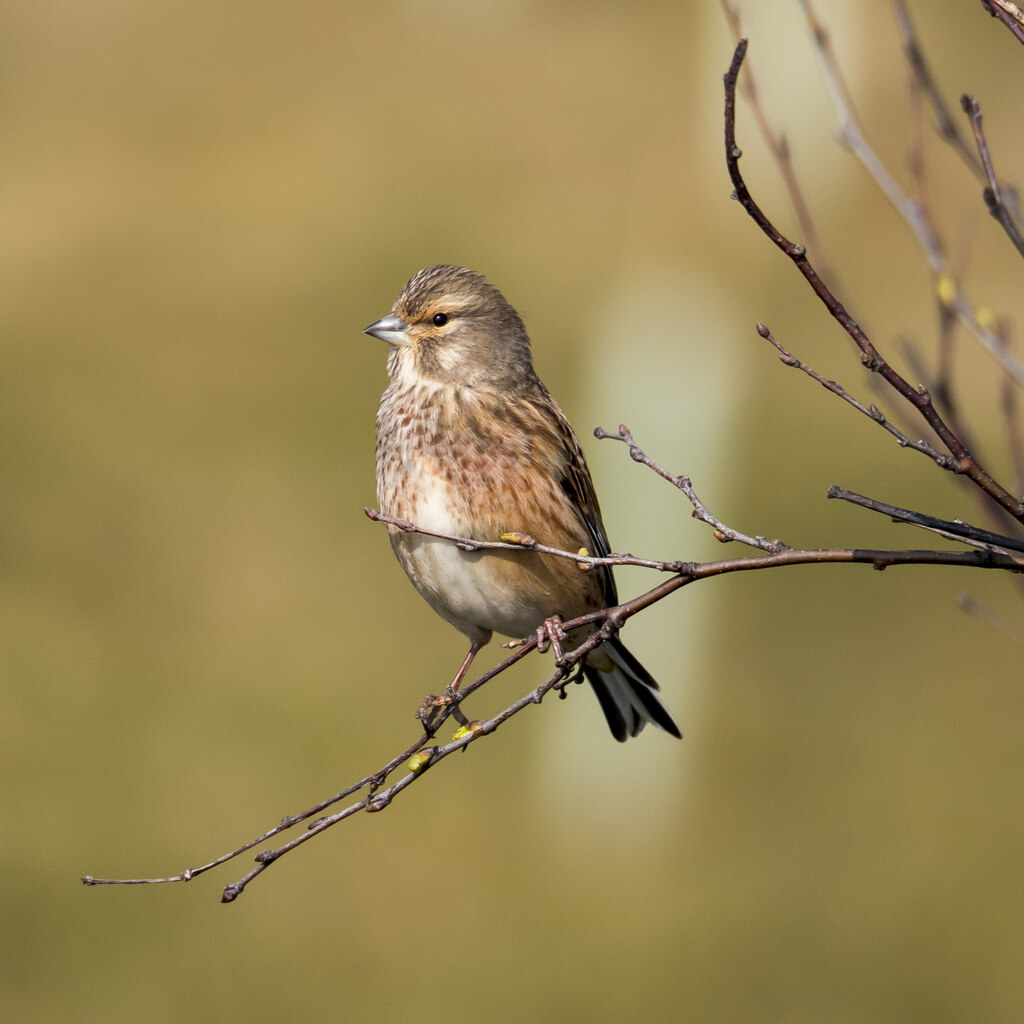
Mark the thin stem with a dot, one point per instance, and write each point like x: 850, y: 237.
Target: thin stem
x: 908, y: 208
x: 920, y: 399
x: 993, y: 193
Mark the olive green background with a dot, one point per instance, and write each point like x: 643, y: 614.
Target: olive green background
x: 202, y: 206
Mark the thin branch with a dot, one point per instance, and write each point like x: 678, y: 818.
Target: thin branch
x: 916, y: 161
x: 920, y: 83
x: 939, y: 383
x: 945, y: 123
x: 722, y: 532
x: 965, y: 462
x: 611, y: 621
x: 955, y: 530
x: 989, y: 509
x: 1009, y: 14
x: 286, y: 823
x: 523, y: 542
x: 849, y: 131
x: 777, y: 144
x: 908, y: 208
x: 993, y: 193
x: 872, y: 412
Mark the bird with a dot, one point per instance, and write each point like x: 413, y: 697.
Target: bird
x: 470, y: 444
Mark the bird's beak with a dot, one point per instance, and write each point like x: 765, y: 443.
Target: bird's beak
x: 391, y: 328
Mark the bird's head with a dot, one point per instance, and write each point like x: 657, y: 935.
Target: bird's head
x: 451, y: 326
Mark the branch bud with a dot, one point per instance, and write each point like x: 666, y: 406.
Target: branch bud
x: 420, y: 760
x: 945, y: 287
x: 518, y: 538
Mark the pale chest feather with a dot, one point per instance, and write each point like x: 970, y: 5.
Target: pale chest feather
x: 450, y: 466
x: 450, y: 463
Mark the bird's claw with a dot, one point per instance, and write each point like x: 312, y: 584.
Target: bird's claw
x: 551, y: 634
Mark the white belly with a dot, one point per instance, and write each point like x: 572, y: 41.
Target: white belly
x: 478, y: 592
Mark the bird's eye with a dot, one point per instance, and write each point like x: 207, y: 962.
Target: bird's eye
x: 439, y: 319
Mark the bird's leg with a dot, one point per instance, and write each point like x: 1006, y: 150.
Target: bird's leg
x: 551, y: 634
x: 427, y: 710
x: 474, y: 649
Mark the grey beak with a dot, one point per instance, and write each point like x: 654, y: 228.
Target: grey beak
x: 391, y: 328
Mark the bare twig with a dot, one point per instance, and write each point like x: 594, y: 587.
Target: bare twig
x: 778, y: 145
x: 523, y: 542
x: 944, y: 121
x: 908, y: 208
x: 916, y: 151
x: 722, y: 532
x: 1009, y: 14
x: 920, y: 399
x: 991, y: 511
x: 871, y: 411
x: 993, y: 193
x: 940, y: 381
x: 955, y: 530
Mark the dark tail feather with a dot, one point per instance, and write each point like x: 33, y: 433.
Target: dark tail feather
x: 627, y: 693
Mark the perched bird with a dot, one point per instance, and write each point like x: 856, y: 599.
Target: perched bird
x: 470, y: 444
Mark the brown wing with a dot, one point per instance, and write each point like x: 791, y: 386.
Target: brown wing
x: 579, y: 489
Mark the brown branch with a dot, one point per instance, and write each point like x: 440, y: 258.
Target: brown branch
x: 945, y: 123
x: 778, y: 145
x: 920, y: 399
x: 908, y: 208
x: 523, y: 542
x: 872, y: 412
x: 993, y: 193
x: 939, y: 382
x: 422, y: 754
x: 722, y: 532
x: 955, y: 530
x: 611, y: 620
x: 1009, y: 14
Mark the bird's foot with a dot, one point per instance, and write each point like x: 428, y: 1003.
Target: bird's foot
x: 551, y: 635
x: 431, y: 707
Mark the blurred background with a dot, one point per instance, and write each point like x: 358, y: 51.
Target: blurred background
x: 204, y: 204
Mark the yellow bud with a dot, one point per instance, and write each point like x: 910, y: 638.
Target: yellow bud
x: 465, y: 730
x: 945, y: 286
x: 583, y: 566
x: 986, y: 318
x: 420, y: 760
x: 517, y: 538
